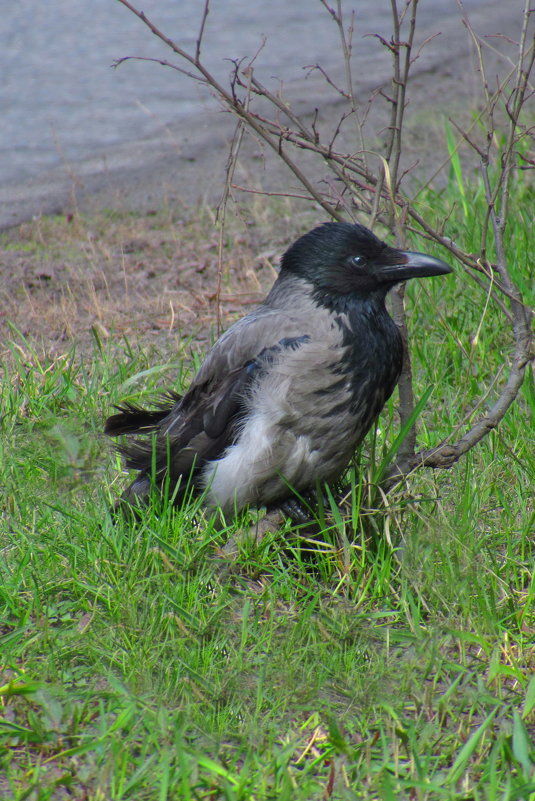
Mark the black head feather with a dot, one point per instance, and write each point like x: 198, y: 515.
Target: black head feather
x: 344, y: 259
x: 336, y: 256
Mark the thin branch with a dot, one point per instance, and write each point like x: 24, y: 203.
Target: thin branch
x: 346, y: 41
x: 318, y: 68
x: 162, y: 62
x: 265, y: 193
x: 393, y: 156
x: 222, y: 210
x: 202, y: 26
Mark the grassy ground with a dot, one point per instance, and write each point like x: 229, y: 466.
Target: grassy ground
x: 394, y: 662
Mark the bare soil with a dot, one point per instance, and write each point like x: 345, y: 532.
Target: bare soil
x: 141, y: 276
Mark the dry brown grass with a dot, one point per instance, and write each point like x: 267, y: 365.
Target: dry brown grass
x: 140, y: 276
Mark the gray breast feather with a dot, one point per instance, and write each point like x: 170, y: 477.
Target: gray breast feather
x: 264, y: 328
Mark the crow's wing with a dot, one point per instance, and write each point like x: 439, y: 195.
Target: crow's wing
x: 199, y: 426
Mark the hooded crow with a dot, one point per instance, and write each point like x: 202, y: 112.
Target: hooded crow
x: 286, y: 395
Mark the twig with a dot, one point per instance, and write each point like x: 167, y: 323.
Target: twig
x: 198, y: 44
x: 393, y: 156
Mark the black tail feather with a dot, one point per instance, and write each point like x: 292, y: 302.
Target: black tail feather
x: 133, y: 419
x: 144, y: 456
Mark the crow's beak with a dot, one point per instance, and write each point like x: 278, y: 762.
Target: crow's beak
x: 410, y: 264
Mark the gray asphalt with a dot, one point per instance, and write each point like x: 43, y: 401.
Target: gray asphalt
x: 75, y: 131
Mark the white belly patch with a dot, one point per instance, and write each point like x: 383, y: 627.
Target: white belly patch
x: 261, y: 465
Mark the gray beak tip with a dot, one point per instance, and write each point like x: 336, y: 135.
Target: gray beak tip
x: 421, y: 264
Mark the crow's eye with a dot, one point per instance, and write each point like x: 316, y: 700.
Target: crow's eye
x: 358, y: 261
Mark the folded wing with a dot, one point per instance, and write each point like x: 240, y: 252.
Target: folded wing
x: 175, y: 441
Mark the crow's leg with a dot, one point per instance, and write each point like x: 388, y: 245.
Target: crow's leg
x: 300, y: 510
x: 295, y: 510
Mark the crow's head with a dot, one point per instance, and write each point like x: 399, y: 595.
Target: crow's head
x: 343, y: 259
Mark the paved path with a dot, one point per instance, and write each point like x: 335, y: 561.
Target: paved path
x: 73, y: 127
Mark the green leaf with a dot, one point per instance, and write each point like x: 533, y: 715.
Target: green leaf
x: 521, y: 745
x: 468, y: 749
x: 402, y: 435
x: 529, y: 701
x: 142, y: 374
x: 455, y: 161
x: 16, y: 687
x: 215, y: 767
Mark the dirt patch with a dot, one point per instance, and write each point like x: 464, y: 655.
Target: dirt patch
x: 140, y: 276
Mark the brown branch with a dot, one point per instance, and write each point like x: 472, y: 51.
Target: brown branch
x: 202, y: 26
x: 265, y: 193
x: 221, y: 212
x: 162, y: 62
x: 393, y: 156
x: 234, y: 105
x: 445, y: 455
x: 318, y: 68
x: 346, y: 42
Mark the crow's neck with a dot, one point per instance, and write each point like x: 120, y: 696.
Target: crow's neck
x: 373, y: 349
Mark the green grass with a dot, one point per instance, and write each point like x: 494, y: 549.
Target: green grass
x: 396, y: 662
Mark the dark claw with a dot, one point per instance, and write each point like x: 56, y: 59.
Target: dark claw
x: 295, y: 510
